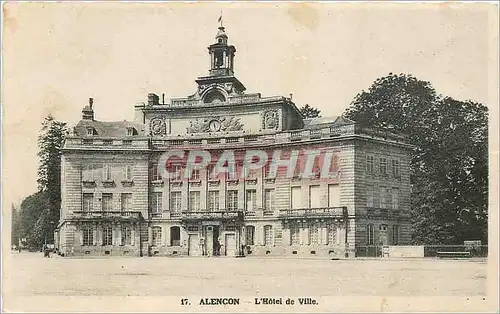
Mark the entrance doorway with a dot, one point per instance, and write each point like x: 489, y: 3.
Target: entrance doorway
x: 194, y: 245
x: 212, y: 240
x: 230, y: 244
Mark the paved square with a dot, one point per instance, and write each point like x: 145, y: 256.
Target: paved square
x: 29, y: 274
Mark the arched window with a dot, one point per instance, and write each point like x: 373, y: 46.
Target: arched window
x: 175, y: 236
x: 213, y: 97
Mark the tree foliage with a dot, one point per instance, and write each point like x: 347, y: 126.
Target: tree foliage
x: 310, y: 112
x: 449, y: 165
x: 50, y: 142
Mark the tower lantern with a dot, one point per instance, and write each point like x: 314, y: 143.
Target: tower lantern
x: 221, y: 55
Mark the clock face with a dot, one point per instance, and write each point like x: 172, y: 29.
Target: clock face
x: 214, y: 125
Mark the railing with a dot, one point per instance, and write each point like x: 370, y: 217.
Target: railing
x: 314, y: 212
x: 107, y: 214
x: 212, y: 215
x: 429, y: 250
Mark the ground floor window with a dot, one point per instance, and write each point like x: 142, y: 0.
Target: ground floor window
x: 157, y: 236
x: 332, y: 233
x: 126, y: 236
x: 370, y: 234
x: 175, y: 236
x: 250, y: 230
x: 313, y: 233
x: 268, y: 235
x: 294, y: 234
x: 395, y: 235
x: 107, y: 236
x: 88, y: 236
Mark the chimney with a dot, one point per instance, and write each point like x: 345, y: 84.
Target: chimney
x: 88, y: 111
x: 153, y: 99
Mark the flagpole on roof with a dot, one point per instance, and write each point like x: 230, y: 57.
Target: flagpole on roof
x: 220, y: 18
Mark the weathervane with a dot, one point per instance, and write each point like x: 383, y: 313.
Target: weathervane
x: 220, y: 18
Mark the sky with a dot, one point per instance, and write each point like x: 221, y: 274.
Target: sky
x: 57, y: 55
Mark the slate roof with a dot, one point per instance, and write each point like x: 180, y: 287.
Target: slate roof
x: 335, y: 120
x: 109, y: 129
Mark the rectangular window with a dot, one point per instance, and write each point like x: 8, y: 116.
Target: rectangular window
x: 88, y: 236
x: 388, y: 194
x: 395, y: 235
x: 88, y: 202
x: 296, y: 197
x: 383, y: 197
x: 251, y: 202
x: 106, y: 174
x: 232, y: 200
x: 155, y: 174
x: 175, y: 173
x: 313, y: 233
x: 90, y: 131
x: 126, y: 236
x: 126, y: 199
x: 333, y: 195
x: 195, y: 175
x: 107, y: 202
x: 107, y: 236
x: 175, y: 201
x: 370, y: 235
x: 212, y: 174
x: 157, y: 236
x: 369, y: 196
x: 314, y: 196
x: 268, y: 235
x: 213, y: 201
x: 250, y: 230
x: 395, y: 198
x: 88, y: 173
x: 383, y: 166
x: 267, y: 170
x: 194, y: 201
x: 156, y: 202
x: 294, y: 234
x: 250, y: 174
x: 127, y: 173
x: 395, y: 168
x: 369, y: 164
x: 269, y: 199
x: 332, y: 233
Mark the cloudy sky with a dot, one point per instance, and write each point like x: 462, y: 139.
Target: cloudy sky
x: 56, y: 56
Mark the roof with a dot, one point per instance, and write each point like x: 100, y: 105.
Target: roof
x: 109, y: 129
x: 335, y: 120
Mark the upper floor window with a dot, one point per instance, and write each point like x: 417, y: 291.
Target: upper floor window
x: 369, y: 196
x: 88, y: 173
x: 107, y: 202
x: 194, y: 201
x: 175, y: 201
x: 175, y: 173
x: 106, y: 175
x: 91, y: 131
x: 213, y: 201
x: 395, y: 168
x: 195, y: 174
x: 155, y: 173
x: 314, y: 196
x: 383, y: 166
x: 369, y: 164
x: 126, y: 203
x: 88, y: 202
x: 232, y: 200
x: 395, y: 198
x: 127, y: 173
x: 251, y: 203
x: 131, y: 131
x: 156, y: 202
x: 269, y: 199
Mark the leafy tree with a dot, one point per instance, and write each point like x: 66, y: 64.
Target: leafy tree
x: 50, y: 142
x: 15, y: 223
x: 310, y: 112
x: 32, y: 208
x: 449, y: 166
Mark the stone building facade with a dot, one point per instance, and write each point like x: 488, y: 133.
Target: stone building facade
x: 115, y: 200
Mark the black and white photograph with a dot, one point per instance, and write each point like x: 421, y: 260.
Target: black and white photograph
x: 250, y: 156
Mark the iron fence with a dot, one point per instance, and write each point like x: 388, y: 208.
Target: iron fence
x: 429, y: 250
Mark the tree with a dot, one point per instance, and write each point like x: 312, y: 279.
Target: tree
x: 449, y: 166
x: 15, y: 223
x: 50, y: 142
x: 310, y: 112
x: 30, y: 212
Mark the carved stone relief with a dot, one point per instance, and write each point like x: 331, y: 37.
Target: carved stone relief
x: 270, y: 119
x: 215, y: 124
x: 157, y: 126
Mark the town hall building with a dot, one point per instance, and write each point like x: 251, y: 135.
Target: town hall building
x: 116, y: 201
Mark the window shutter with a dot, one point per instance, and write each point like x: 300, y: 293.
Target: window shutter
x: 94, y: 236
x: 81, y: 236
x: 163, y: 236
x: 132, y: 235
x: 119, y: 235
x: 307, y: 235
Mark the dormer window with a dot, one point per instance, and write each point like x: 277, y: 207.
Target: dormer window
x: 131, y: 131
x: 91, y: 131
